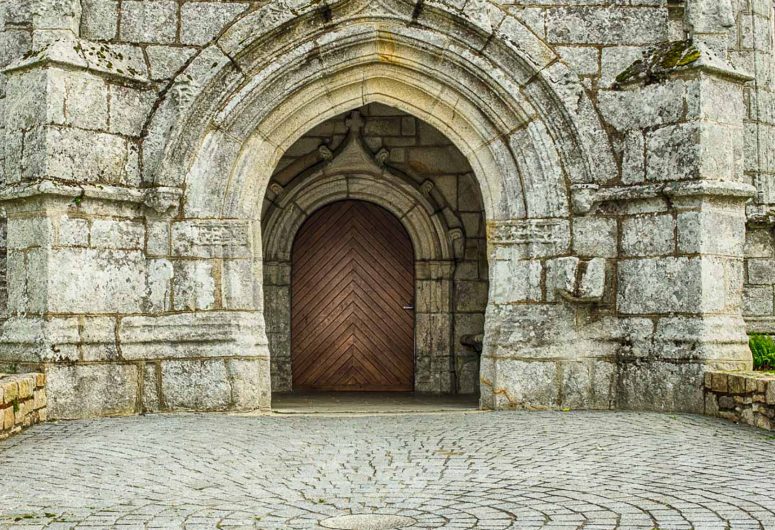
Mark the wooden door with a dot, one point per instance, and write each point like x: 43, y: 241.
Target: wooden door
x: 352, y: 288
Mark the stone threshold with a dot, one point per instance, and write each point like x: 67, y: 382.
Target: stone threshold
x: 371, y: 403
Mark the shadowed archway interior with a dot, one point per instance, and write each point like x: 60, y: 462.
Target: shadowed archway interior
x: 409, y: 179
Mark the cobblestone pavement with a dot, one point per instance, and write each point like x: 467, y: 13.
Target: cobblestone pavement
x: 454, y: 470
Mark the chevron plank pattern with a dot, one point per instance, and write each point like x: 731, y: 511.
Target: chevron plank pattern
x: 353, y: 272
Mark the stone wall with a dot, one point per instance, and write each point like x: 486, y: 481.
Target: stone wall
x: 3, y: 267
x: 742, y: 397
x: 140, y: 138
x: 751, y: 42
x: 22, y: 402
x: 157, y: 39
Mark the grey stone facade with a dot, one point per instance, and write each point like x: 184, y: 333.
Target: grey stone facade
x: 621, y: 151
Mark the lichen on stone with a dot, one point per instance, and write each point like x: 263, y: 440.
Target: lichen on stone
x: 658, y: 62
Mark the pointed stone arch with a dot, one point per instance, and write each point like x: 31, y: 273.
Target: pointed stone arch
x: 520, y: 117
x: 353, y: 173
x: 496, y: 90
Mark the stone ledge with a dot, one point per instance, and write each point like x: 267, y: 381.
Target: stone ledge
x: 80, y: 54
x: 88, y: 390
x: 761, y: 214
x: 159, y: 199
x: 742, y: 397
x: 588, y: 197
x: 673, y: 58
x: 22, y: 402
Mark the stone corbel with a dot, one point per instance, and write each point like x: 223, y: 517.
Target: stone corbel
x: 476, y: 342
x: 163, y: 200
x: 580, y: 281
x: 277, y: 189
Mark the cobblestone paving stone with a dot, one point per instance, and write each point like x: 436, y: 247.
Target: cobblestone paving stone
x: 457, y: 470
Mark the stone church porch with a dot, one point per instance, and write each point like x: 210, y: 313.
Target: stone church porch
x: 602, y: 235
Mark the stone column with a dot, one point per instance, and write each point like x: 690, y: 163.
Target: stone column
x: 541, y: 350
x: 125, y: 306
x: 682, y: 217
x: 277, y: 300
x: 75, y: 231
x: 434, y: 369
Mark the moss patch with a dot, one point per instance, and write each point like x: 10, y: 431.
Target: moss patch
x: 659, y: 62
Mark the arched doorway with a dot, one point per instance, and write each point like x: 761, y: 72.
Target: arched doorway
x: 352, y: 312
x: 381, y: 157
x: 525, y: 127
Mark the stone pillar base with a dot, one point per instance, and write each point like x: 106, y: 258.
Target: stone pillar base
x: 87, y: 390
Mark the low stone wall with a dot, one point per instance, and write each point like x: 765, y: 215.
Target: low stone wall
x: 743, y: 397
x: 22, y: 402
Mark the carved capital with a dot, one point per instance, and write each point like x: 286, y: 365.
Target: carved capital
x: 162, y: 200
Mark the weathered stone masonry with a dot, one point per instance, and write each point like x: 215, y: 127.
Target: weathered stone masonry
x: 742, y: 397
x: 628, y: 206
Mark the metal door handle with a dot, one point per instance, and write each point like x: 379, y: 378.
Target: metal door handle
x: 408, y: 307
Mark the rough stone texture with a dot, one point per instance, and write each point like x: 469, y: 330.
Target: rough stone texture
x: 742, y: 397
x: 22, y: 402
x: 584, y: 170
x: 526, y: 471
x: 82, y: 391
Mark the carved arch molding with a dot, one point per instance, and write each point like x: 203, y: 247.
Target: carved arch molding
x: 503, y: 97
x: 482, y: 78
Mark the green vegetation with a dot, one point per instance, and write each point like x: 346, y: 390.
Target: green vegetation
x: 763, y: 350
x: 659, y: 61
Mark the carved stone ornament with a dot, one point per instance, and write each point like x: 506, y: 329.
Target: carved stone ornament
x: 325, y: 153
x: 162, y: 200
x: 353, y: 155
x: 382, y: 156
